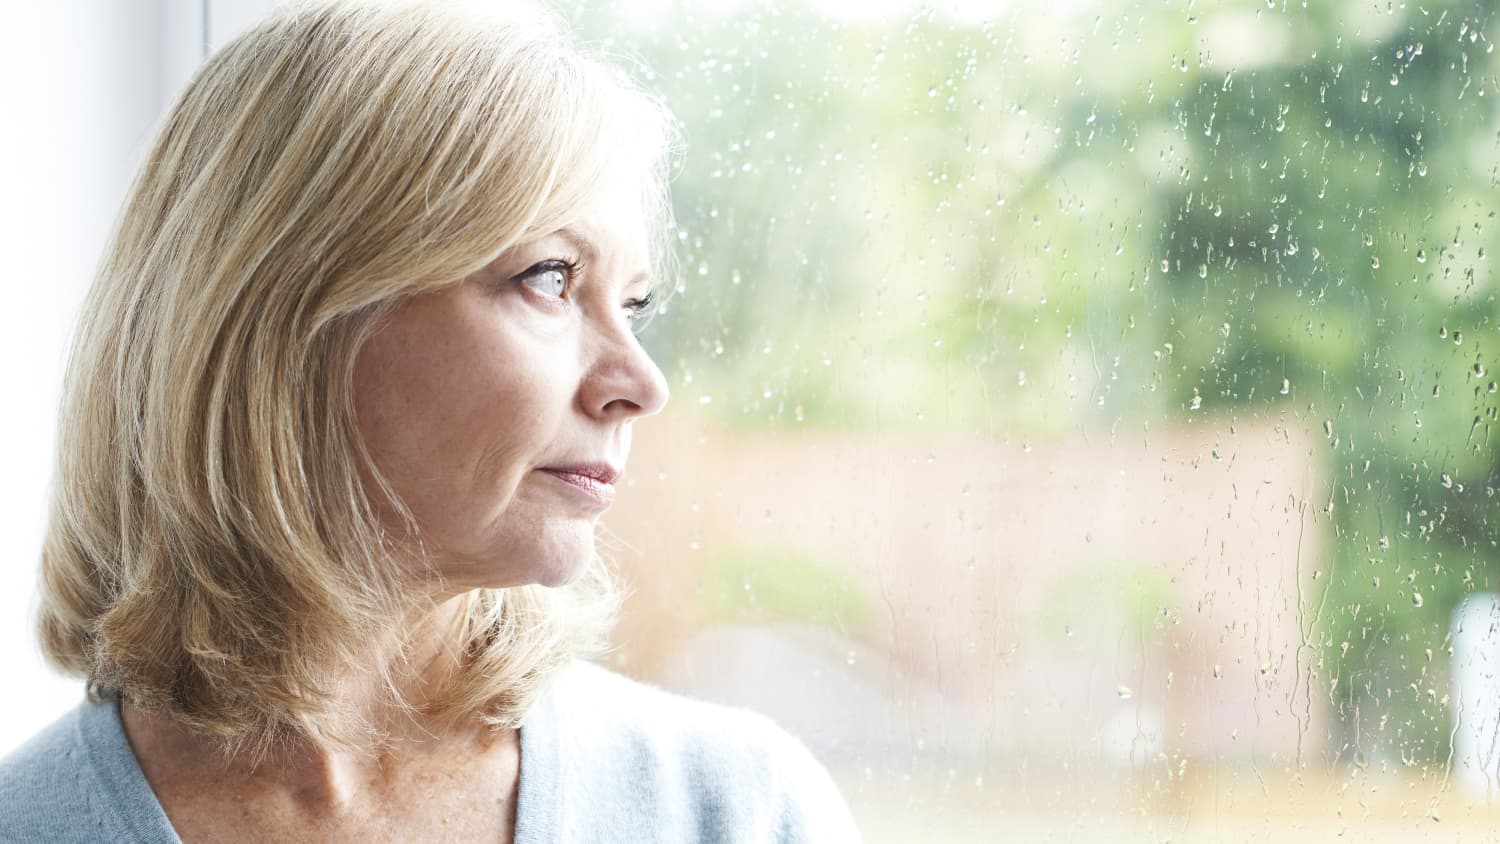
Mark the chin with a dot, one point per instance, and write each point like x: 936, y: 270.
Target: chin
x: 558, y: 578
x: 553, y: 564
x: 554, y: 556
x: 564, y: 558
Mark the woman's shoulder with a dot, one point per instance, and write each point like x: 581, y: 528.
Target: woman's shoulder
x: 39, y: 780
x: 644, y: 711
x: 610, y: 709
x: 729, y: 774
x: 77, y: 781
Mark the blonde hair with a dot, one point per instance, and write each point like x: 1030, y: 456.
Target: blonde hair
x: 212, y: 549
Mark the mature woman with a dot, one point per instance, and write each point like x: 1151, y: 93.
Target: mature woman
x: 350, y: 393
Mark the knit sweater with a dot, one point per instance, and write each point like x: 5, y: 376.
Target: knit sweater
x: 603, y: 759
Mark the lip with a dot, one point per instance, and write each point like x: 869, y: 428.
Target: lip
x: 596, y: 481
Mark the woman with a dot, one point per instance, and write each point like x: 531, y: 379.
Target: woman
x: 353, y: 386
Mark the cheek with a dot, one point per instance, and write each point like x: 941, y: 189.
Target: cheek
x: 454, y: 411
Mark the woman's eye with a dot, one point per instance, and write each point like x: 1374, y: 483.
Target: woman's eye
x: 549, y: 278
x: 639, y: 307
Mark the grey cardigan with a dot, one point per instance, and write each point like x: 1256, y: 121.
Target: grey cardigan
x: 603, y: 759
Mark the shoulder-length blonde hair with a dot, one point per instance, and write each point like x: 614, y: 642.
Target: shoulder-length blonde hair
x: 212, y: 549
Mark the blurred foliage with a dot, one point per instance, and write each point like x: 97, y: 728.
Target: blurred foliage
x: 1113, y: 216
x: 767, y: 584
x: 1125, y: 595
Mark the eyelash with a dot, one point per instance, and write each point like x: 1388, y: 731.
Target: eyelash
x: 640, y: 306
x: 572, y: 268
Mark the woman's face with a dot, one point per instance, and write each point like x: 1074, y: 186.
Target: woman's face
x: 499, y: 409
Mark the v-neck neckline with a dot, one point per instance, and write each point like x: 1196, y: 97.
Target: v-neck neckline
x: 119, y: 779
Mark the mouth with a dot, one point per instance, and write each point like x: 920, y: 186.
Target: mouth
x: 595, y: 481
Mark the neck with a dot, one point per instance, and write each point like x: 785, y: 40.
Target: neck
x: 325, y: 776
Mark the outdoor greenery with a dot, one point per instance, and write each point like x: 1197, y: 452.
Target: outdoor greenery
x: 1111, y: 220
x: 781, y: 586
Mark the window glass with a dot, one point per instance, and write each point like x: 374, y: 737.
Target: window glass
x: 1083, y: 413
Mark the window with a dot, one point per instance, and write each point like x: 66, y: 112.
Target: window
x: 1083, y: 412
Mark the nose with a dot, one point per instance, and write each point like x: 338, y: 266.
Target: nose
x: 623, y: 382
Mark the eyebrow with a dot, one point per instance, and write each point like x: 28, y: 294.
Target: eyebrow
x: 590, y: 252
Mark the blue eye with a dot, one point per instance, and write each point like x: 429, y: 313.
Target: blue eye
x: 550, y: 278
x: 637, y: 308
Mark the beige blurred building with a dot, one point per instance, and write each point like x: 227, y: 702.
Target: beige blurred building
x: 1142, y: 601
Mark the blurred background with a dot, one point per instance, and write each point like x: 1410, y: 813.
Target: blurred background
x: 1082, y: 410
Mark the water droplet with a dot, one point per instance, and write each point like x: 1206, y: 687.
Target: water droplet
x: 1203, y: 271
x: 1416, y: 599
x: 1125, y: 693
x: 1218, y: 672
x: 1421, y: 256
x: 1286, y: 386
x: 1447, y: 480
x: 1395, y: 80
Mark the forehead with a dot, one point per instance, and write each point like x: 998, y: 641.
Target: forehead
x: 611, y: 225
x: 614, y: 212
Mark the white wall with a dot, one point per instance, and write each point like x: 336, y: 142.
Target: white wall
x: 81, y: 92
x: 83, y: 83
